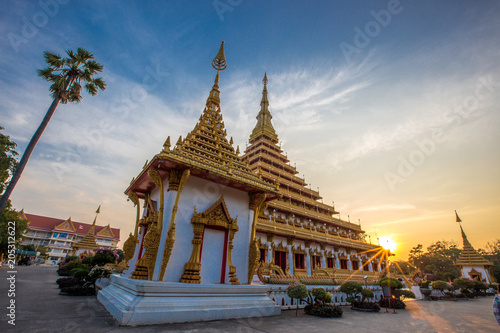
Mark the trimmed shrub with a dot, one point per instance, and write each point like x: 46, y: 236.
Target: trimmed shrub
x: 70, y: 258
x: 367, y: 293
x: 392, y: 303
x: 88, y: 261
x: 78, y: 291
x: 297, y: 290
x: 463, y: 284
x: 351, y: 288
x: 103, y: 257
x: 367, y: 306
x: 440, y: 285
x: 327, y: 311
x: 79, y: 273
x: 65, y: 282
x: 392, y: 282
x: 65, y: 270
x: 407, y: 293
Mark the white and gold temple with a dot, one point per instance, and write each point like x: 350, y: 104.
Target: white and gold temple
x: 213, y: 222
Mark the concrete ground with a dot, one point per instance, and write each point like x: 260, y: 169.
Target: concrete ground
x: 40, y: 308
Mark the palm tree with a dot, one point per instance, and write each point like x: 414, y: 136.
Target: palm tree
x: 66, y: 76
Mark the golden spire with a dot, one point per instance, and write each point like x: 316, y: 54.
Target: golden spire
x: 264, y: 126
x: 219, y: 63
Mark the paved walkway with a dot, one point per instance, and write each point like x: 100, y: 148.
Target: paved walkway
x: 40, y: 308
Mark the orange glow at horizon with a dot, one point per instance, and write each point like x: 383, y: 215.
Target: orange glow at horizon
x: 388, y: 243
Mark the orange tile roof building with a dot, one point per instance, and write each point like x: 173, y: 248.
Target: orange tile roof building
x: 65, y: 237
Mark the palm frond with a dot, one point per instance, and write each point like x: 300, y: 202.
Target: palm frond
x: 53, y: 59
x: 46, y: 73
x: 91, y: 89
x: 93, y: 66
x: 99, y: 83
x: 76, y: 68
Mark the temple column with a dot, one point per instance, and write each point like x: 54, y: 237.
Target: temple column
x: 308, y: 258
x: 337, y: 261
x: 323, y: 258
x: 269, y: 240
x: 289, y: 245
x: 349, y: 263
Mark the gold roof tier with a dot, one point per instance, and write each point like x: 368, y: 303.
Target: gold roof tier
x: 469, y: 256
x: 206, y: 151
x: 325, y: 237
x: 264, y: 126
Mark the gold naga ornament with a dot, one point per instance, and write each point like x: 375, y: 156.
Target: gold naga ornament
x: 175, y: 183
x: 130, y: 243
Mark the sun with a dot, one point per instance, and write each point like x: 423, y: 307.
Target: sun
x: 388, y: 244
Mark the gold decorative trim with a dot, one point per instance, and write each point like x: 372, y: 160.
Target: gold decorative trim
x: 257, y: 203
x: 174, y: 179
x: 171, y: 228
x: 215, y: 215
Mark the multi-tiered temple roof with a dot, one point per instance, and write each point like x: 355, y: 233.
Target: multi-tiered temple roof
x: 312, y: 219
x: 206, y: 151
x: 469, y: 256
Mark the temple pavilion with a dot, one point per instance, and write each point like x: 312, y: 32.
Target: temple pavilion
x: 472, y: 264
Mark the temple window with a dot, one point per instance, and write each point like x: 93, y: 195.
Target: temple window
x: 262, y: 255
x: 366, y: 267
x: 280, y: 259
x: 343, y: 263
x: 299, y: 261
x: 330, y: 262
x: 355, y: 265
x: 316, y: 262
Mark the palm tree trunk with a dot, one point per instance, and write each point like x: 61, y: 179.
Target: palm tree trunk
x: 28, y: 151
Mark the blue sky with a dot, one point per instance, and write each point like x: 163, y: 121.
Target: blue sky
x: 391, y: 108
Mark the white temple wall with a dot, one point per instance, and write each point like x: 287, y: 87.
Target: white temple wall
x: 484, y: 273
x: 202, y: 194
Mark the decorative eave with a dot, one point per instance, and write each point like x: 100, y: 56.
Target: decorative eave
x: 106, y: 232
x: 66, y: 225
x: 248, y: 182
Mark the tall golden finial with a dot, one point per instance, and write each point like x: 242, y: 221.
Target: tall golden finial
x: 219, y: 62
x: 264, y: 80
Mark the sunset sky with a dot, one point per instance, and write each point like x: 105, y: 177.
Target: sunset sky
x: 391, y: 108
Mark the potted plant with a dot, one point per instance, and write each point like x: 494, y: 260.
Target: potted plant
x: 464, y: 285
x: 351, y: 289
x: 366, y: 305
x: 297, y: 290
x: 321, y: 307
x: 392, y: 292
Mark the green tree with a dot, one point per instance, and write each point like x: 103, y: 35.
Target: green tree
x: 8, y: 163
x: 438, y: 259
x: 66, y: 76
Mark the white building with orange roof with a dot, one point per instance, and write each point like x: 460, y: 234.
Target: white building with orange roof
x: 64, y: 237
